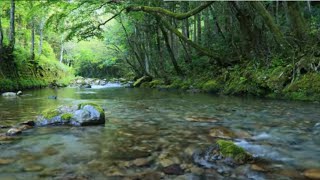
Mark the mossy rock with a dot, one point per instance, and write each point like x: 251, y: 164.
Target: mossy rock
x: 229, y: 149
x: 80, y: 115
x: 66, y: 116
x: 50, y: 113
x: 306, y: 87
x: 81, y: 105
x: 211, y: 86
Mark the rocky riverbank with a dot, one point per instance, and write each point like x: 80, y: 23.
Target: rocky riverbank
x: 274, y: 84
x: 82, y: 82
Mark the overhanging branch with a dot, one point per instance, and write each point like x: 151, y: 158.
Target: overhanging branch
x: 178, y: 16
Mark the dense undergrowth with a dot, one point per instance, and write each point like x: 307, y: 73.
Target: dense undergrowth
x: 276, y: 81
x: 21, y: 73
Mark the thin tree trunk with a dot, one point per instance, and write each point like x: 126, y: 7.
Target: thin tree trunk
x: 41, y: 36
x: 207, y: 27
x: 161, y: 59
x: 194, y: 29
x: 12, y: 24
x: 61, y: 51
x: 1, y: 36
x: 199, y: 39
x: 173, y: 59
x: 32, y: 40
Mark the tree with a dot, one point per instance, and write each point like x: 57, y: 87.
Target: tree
x: 12, y: 26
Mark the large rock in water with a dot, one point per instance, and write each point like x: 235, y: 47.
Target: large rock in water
x: 222, y: 156
x: 9, y: 94
x: 85, y: 114
x: 141, y: 80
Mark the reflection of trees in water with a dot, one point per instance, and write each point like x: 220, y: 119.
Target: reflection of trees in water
x: 28, y: 106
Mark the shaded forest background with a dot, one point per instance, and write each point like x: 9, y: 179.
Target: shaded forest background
x: 260, y: 48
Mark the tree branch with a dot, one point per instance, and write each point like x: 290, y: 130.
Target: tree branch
x: 178, y: 16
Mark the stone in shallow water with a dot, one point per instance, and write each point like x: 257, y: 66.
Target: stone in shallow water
x: 173, y: 169
x: 6, y: 161
x: 50, y: 151
x: 312, y: 173
x: 13, y: 132
x: 256, y: 167
x: 141, y: 162
x: 84, y: 114
x: 34, y: 168
x: 222, y: 132
x: 202, y: 119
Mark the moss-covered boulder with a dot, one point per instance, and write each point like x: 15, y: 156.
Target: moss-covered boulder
x: 229, y: 150
x: 223, y: 156
x: 211, y: 86
x: 83, y: 114
x: 141, y: 80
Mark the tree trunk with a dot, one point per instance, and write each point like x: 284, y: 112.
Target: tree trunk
x: 207, y: 28
x: 12, y: 28
x: 41, y: 36
x: 185, y: 26
x: 32, y: 40
x: 199, y: 40
x: 297, y: 21
x: 277, y: 34
x: 61, y: 51
x: 173, y: 59
x: 1, y: 37
x: 194, y: 29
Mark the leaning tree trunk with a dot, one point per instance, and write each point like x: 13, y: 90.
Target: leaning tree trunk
x: 171, y: 54
x: 12, y: 30
x: 277, y: 34
x: 297, y: 22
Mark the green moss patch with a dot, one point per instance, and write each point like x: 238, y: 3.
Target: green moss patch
x: 66, y: 116
x: 99, y: 108
x: 211, y: 86
x: 229, y: 149
x: 50, y: 113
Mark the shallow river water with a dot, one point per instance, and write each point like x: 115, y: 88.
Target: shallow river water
x: 147, y: 129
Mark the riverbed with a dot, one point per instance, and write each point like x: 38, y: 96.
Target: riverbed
x: 147, y: 129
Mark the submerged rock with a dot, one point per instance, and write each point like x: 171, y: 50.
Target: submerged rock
x: 13, y: 131
x: 9, y: 94
x: 85, y: 86
x: 202, y: 119
x: 173, y: 169
x: 6, y: 161
x: 81, y: 115
x: 312, y: 173
x: 222, y: 132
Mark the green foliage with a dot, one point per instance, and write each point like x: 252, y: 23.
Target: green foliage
x: 307, y: 87
x: 211, y: 86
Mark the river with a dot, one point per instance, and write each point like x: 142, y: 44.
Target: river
x: 147, y: 128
